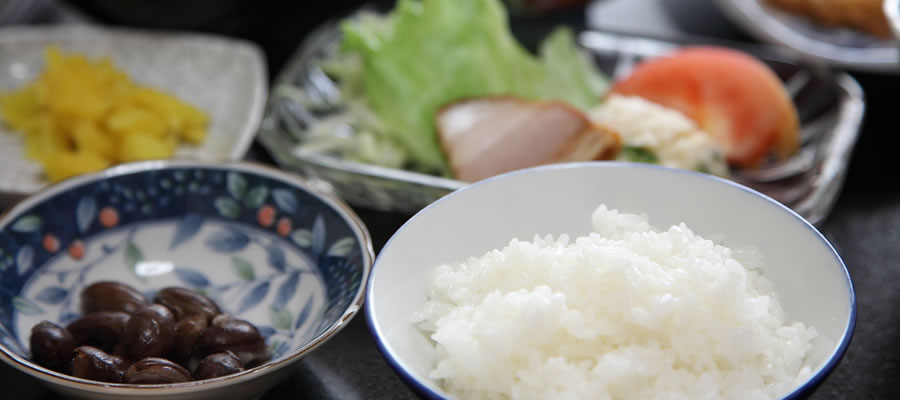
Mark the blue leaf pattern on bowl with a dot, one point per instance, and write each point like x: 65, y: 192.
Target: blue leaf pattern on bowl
x: 186, y: 229
x: 254, y: 297
x: 276, y: 258
x: 24, y: 258
x: 28, y: 223
x: 318, y: 236
x: 228, y: 241
x: 256, y: 196
x: 285, y: 200
x: 287, y: 290
x: 52, y: 295
x: 191, y: 278
x: 85, y: 212
x: 236, y: 185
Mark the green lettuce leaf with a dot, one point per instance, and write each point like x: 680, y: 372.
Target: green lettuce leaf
x: 571, y: 75
x: 426, y: 54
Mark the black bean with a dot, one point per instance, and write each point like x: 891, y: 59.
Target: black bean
x: 111, y: 296
x: 185, y: 302
x: 155, y: 370
x: 227, y: 333
x: 95, y: 364
x: 51, y: 346
x: 100, y: 329
x: 150, y: 332
x: 218, y: 364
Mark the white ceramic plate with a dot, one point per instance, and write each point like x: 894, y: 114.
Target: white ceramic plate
x: 892, y: 10
x: 224, y: 77
x: 840, y: 47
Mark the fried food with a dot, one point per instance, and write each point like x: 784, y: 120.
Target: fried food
x: 863, y: 15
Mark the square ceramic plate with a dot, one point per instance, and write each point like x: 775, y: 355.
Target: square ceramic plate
x: 224, y: 77
x: 841, y: 47
x: 830, y: 106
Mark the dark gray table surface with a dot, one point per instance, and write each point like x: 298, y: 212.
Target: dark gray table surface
x: 864, y: 227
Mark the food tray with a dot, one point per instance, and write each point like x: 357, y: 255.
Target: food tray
x: 830, y: 104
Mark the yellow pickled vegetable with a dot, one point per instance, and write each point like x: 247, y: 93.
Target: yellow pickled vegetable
x: 130, y: 120
x: 140, y: 147
x: 66, y: 164
x: 82, y: 115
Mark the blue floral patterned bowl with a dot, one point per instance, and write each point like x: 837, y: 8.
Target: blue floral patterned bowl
x: 265, y: 245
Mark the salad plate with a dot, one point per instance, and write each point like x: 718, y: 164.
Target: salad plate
x: 830, y: 106
x: 840, y: 47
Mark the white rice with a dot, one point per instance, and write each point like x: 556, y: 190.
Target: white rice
x: 673, y: 138
x: 627, y: 312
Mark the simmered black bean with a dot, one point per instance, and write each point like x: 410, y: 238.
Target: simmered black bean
x: 51, y: 346
x: 187, y: 333
x: 150, y: 332
x: 218, y: 364
x: 185, y: 302
x: 155, y: 370
x: 100, y: 329
x: 111, y: 296
x: 95, y: 364
x: 227, y: 333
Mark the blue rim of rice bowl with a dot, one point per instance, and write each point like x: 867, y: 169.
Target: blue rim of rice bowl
x: 803, y: 390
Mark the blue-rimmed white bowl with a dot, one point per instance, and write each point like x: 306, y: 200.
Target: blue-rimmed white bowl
x: 807, y: 274
x: 266, y: 246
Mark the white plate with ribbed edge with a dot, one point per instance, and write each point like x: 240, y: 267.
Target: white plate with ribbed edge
x: 844, y: 48
x: 224, y: 77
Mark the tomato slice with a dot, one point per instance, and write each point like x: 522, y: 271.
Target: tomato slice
x: 731, y: 95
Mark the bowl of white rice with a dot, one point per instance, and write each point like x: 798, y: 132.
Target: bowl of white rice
x: 610, y: 281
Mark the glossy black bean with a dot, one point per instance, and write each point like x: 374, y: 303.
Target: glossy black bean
x: 100, y: 329
x: 187, y: 333
x: 227, y: 333
x: 218, y: 364
x: 150, y: 332
x: 154, y: 370
x: 185, y: 302
x: 51, y: 346
x: 111, y: 296
x: 95, y: 364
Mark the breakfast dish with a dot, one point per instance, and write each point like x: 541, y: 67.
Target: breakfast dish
x: 628, y: 311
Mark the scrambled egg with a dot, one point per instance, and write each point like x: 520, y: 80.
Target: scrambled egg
x: 85, y: 115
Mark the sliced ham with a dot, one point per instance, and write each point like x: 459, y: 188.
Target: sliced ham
x: 488, y: 136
